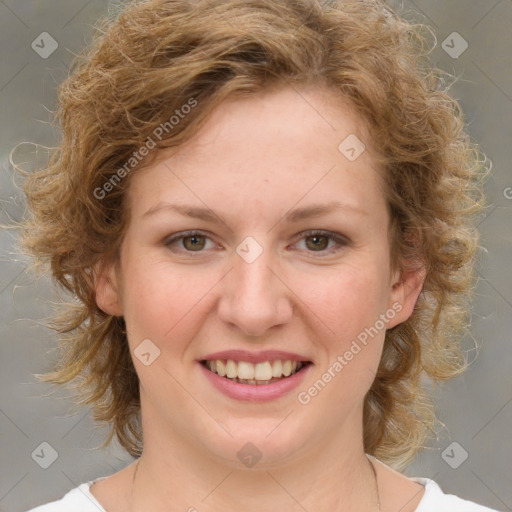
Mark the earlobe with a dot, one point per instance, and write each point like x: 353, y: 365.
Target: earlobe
x: 106, y: 290
x: 405, y: 292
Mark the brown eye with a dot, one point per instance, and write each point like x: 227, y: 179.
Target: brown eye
x: 188, y: 242
x: 194, y: 242
x: 318, y: 242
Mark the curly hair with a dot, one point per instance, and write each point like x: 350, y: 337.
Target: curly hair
x: 156, y: 56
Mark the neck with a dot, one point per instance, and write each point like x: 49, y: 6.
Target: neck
x: 334, y: 475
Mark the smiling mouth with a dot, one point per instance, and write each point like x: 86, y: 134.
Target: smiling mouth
x: 245, y: 372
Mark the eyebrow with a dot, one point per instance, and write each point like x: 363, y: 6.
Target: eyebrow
x: 292, y: 216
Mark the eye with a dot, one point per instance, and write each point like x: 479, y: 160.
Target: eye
x: 318, y: 241
x: 315, y: 241
x: 193, y: 241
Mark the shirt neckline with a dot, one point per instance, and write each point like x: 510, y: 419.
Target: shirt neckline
x: 429, y: 484
x: 85, y: 489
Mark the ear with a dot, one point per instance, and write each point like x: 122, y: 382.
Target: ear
x: 406, y: 287
x: 106, y: 287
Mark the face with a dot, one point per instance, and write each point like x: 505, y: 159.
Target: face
x: 257, y: 249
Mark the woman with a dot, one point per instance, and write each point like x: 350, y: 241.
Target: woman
x: 264, y: 212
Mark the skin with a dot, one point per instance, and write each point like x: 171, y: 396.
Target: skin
x: 254, y: 160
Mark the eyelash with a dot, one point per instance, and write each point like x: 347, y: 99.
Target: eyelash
x: 340, y: 240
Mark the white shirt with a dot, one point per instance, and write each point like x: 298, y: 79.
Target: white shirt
x: 434, y: 499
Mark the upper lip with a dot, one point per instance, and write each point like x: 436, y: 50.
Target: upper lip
x: 255, y: 357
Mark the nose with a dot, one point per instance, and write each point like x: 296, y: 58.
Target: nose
x: 255, y: 297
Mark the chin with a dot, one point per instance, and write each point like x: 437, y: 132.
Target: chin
x: 263, y: 443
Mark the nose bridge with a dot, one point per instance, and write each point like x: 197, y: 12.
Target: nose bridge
x: 255, y: 299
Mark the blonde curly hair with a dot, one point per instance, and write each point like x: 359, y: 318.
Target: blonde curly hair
x: 151, y: 59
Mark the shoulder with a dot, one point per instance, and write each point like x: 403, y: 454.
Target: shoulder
x: 435, y: 500
x: 77, y: 500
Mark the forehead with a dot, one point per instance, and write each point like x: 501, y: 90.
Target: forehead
x: 278, y: 144
x: 279, y: 116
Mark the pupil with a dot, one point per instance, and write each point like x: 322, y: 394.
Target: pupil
x: 194, y: 243
x: 315, y: 243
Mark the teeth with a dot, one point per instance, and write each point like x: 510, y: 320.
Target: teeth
x: 277, y: 369
x: 245, y: 370
x: 249, y: 373
x: 263, y: 371
x: 231, y: 369
x: 221, y: 368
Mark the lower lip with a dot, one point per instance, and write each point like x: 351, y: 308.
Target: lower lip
x: 255, y: 392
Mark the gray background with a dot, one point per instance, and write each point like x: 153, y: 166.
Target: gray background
x: 475, y: 408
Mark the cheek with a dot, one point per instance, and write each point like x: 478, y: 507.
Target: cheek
x: 351, y: 306
x: 346, y: 300
x: 164, y: 304
x: 169, y: 304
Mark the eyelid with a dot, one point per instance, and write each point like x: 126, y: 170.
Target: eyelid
x: 341, y: 240
x: 185, y: 234
x: 323, y: 232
